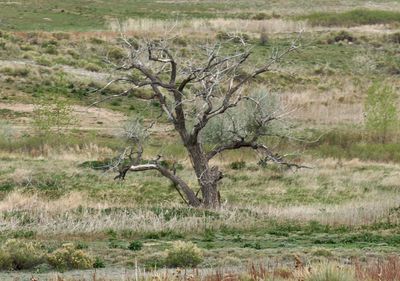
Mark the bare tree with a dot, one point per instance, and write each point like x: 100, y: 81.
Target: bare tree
x: 201, y: 95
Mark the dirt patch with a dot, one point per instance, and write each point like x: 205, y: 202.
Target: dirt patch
x: 88, y: 118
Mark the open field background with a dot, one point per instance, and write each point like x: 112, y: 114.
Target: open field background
x: 346, y: 210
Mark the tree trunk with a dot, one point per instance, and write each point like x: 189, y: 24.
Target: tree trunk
x: 207, y: 176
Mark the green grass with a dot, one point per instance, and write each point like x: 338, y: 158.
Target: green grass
x: 353, y: 18
x: 72, y: 15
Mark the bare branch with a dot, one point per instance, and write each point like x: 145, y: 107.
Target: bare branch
x: 178, y: 182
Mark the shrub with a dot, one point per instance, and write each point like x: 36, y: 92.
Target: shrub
x: 69, y: 257
x: 184, y: 254
x: 98, y: 263
x: 135, y: 245
x: 16, y: 255
x: 237, y: 165
x: 116, y: 53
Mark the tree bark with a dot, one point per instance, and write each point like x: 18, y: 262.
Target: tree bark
x: 207, y: 176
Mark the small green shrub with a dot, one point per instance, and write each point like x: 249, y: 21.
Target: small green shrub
x: 17, y: 255
x: 116, y: 53
x: 69, y: 257
x: 184, y: 254
x: 98, y: 263
x: 135, y: 245
x: 237, y: 165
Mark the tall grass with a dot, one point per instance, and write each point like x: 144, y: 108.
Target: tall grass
x: 205, y: 27
x: 75, y: 214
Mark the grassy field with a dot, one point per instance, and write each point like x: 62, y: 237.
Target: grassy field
x: 59, y: 215
x: 56, y: 15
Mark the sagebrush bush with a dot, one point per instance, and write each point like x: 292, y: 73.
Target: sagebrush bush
x: 17, y: 254
x: 184, y: 254
x: 69, y: 257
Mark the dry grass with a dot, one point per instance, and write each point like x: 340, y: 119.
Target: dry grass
x: 210, y: 27
x: 354, y: 213
x: 75, y: 213
x: 205, y: 28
